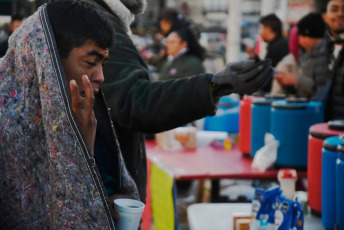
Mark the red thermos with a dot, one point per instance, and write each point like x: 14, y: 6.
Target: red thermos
x: 245, y: 124
x: 317, y: 134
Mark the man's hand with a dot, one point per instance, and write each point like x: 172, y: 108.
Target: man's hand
x: 285, y: 79
x: 250, y: 50
x: 83, y: 109
x: 242, y: 77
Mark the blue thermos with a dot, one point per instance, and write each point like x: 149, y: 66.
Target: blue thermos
x: 328, y: 178
x: 226, y: 117
x: 260, y: 120
x: 340, y: 188
x: 290, y: 123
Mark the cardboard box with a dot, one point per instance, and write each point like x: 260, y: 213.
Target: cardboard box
x: 241, y: 221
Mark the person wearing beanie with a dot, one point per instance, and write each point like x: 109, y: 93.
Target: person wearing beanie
x: 306, y: 78
x: 311, y: 29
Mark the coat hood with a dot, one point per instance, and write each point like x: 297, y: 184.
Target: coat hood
x: 126, y: 10
x: 135, y: 6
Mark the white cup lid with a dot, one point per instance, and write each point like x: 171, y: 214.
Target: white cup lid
x: 287, y: 174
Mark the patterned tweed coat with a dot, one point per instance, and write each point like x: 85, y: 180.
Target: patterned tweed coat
x: 48, y: 178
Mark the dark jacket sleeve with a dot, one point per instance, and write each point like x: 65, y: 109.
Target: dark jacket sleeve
x: 140, y: 105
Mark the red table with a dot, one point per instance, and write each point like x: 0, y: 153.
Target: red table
x: 207, y: 162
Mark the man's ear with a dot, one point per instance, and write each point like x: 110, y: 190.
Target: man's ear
x: 185, y: 44
x: 324, y: 15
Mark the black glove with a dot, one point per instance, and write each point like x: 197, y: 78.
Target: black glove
x: 242, y: 77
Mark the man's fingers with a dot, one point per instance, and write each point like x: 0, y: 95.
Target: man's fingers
x: 88, y: 94
x: 251, y: 74
x: 76, y: 100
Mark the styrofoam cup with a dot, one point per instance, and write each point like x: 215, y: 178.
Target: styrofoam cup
x: 130, y: 212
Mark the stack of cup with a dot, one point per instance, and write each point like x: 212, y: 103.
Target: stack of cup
x: 287, y: 179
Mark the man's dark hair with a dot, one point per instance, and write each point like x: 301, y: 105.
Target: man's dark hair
x: 273, y: 22
x: 176, y: 19
x: 17, y: 17
x: 169, y: 14
x: 194, y: 47
x: 75, y: 21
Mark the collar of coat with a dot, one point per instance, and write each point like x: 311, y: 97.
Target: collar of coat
x: 127, y: 9
x: 135, y: 6
x: 334, y: 39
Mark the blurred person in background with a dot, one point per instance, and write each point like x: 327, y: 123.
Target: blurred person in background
x: 270, y: 30
x: 16, y: 21
x: 139, y: 106
x: 309, y: 75
x: 185, y: 55
x: 327, y: 81
x: 170, y: 20
x: 332, y: 93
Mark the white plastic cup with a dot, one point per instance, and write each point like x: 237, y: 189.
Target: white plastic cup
x: 287, y: 179
x: 130, y: 212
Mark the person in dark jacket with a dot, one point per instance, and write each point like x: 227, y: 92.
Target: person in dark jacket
x: 185, y: 55
x: 277, y: 46
x: 310, y: 75
x: 271, y: 32
x: 139, y: 106
x: 170, y: 20
x: 332, y: 93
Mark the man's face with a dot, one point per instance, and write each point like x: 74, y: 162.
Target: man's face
x: 174, y: 44
x: 87, y: 59
x: 307, y: 43
x: 265, y: 32
x: 165, y: 26
x: 334, y: 16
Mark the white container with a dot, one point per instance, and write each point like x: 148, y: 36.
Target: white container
x: 130, y: 212
x: 287, y: 179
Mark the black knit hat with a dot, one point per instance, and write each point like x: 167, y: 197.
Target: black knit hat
x: 312, y: 25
